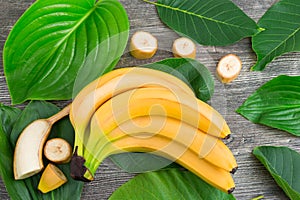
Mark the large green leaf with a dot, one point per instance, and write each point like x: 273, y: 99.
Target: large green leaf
x: 192, y: 72
x: 282, y: 34
x: 168, y: 184
x: 283, y: 164
x: 137, y: 162
x: 275, y: 104
x: 59, y: 43
x: 28, y: 187
x: 8, y: 116
x: 208, y: 22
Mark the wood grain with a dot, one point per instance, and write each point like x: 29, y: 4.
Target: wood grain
x: 251, y: 179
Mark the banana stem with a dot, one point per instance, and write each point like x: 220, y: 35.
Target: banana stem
x: 93, y: 160
x: 64, y: 112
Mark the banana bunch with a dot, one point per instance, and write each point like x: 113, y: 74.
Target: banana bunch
x: 145, y: 110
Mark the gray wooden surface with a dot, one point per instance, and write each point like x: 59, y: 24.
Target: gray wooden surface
x: 251, y: 179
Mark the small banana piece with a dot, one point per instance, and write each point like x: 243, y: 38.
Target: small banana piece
x: 143, y: 45
x: 51, y: 179
x: 169, y: 149
x: 58, y: 150
x: 229, y: 68
x: 184, y: 48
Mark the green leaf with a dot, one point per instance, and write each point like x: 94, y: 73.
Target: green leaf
x: 59, y: 46
x: 192, y: 72
x: 168, y: 184
x: 282, y: 34
x: 283, y: 164
x: 275, y: 104
x: 17, y: 190
x: 137, y: 162
x: 63, y: 128
x: 208, y: 22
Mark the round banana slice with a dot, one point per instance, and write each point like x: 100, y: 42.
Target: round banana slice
x: 58, y: 150
x: 143, y: 45
x: 229, y: 68
x: 184, y: 48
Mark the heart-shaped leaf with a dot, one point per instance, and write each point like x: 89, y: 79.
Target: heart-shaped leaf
x: 56, y: 42
x: 282, y: 34
x: 275, y: 104
x: 168, y: 184
x: 208, y: 22
x: 283, y: 164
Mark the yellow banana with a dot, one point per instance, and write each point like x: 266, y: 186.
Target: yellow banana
x: 132, y: 78
x: 82, y: 95
x: 102, y: 89
x: 170, y: 120
x: 94, y: 85
x: 205, y: 146
x: 167, y: 148
x: 162, y: 102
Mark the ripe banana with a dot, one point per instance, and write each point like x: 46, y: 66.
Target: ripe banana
x: 205, y: 146
x: 135, y: 77
x: 163, y: 102
x: 216, y: 176
x: 140, y: 109
x: 122, y: 80
x: 96, y: 84
x: 81, y: 96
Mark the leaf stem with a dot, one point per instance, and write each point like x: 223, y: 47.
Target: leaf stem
x: 258, y: 198
x: 151, y: 2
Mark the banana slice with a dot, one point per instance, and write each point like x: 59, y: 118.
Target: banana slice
x: 58, y: 150
x: 143, y: 45
x: 184, y: 48
x: 229, y: 68
x: 51, y: 179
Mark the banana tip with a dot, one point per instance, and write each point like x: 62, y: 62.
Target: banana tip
x: 227, y: 137
x: 233, y: 170
x: 230, y: 190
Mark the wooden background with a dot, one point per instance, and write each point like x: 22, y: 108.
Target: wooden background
x: 251, y: 179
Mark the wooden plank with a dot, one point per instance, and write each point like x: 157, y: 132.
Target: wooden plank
x: 251, y: 179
